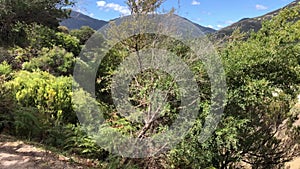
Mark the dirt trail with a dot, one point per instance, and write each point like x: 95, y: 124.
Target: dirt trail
x: 18, y: 155
x: 295, y: 164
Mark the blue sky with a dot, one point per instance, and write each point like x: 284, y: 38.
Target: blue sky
x: 210, y: 13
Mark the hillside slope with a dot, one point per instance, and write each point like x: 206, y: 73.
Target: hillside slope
x: 248, y: 24
x: 77, y: 20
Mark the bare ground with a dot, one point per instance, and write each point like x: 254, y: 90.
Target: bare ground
x: 16, y: 154
x: 295, y: 164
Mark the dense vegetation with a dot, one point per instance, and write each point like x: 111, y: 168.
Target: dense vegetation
x: 262, y: 73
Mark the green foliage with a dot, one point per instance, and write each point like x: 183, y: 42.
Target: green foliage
x: 39, y: 36
x: 49, y: 94
x: 78, y: 142
x: 83, y: 34
x: 47, y: 50
x: 20, y: 55
x: 33, y: 35
x: 258, y: 69
x: 42, y: 12
x: 5, y: 68
x: 7, y: 105
x: 69, y: 42
x: 115, y: 162
x: 144, y: 6
x: 263, y: 79
x: 56, y: 61
x: 262, y: 76
x: 142, y: 90
x: 15, y: 119
x: 26, y: 122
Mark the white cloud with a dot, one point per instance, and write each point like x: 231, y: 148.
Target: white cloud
x: 113, y: 6
x: 260, y: 7
x: 195, y: 2
x: 83, y: 11
x: 220, y: 26
x: 101, y: 3
x: 210, y: 26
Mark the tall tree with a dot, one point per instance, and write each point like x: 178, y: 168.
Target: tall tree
x: 45, y: 12
x: 153, y: 112
x: 143, y: 6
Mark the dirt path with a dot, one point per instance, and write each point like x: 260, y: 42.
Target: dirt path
x: 295, y: 164
x: 18, y: 155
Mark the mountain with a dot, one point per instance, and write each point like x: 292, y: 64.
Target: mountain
x: 205, y: 30
x: 77, y: 20
x: 248, y: 24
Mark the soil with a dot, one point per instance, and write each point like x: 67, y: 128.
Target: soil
x: 16, y: 154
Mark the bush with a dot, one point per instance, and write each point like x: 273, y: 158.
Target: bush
x: 7, y: 105
x: 20, y: 55
x: 69, y: 42
x: 39, y: 36
x: 27, y: 123
x: 83, y: 34
x: 5, y: 68
x: 49, y: 94
x: 15, y: 119
x: 56, y: 61
x: 77, y: 141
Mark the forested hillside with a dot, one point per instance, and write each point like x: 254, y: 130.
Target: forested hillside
x: 39, y: 96
x: 77, y: 20
x: 251, y: 24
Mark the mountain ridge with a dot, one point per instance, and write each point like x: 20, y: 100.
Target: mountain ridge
x: 248, y: 24
x: 77, y: 20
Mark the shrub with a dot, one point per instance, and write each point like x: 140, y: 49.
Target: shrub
x: 77, y: 141
x: 56, y: 61
x: 49, y: 94
x: 83, y: 34
x: 69, y: 42
x: 5, y: 68
x: 6, y: 106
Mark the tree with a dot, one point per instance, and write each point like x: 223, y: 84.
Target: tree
x: 44, y: 12
x: 83, y: 34
x: 263, y: 82
x: 262, y: 74
x: 143, y: 6
x: 152, y: 113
